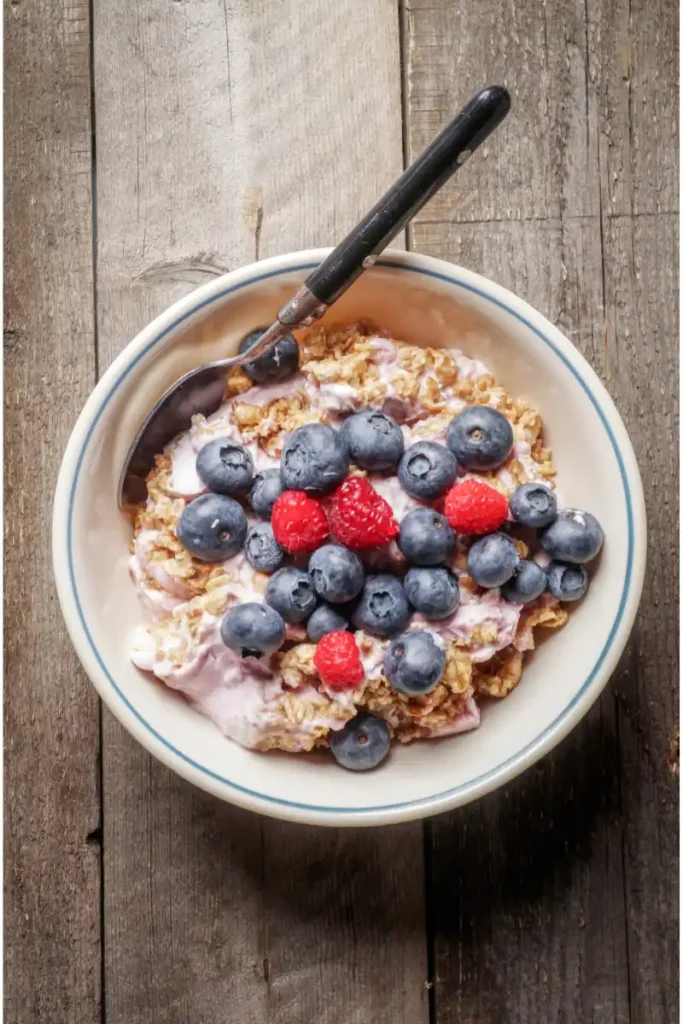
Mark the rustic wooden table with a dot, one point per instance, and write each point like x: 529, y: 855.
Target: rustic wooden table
x: 151, y: 145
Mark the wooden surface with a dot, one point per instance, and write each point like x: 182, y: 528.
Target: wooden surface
x: 51, y: 723
x: 150, y: 146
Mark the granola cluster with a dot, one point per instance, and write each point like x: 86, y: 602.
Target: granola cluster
x: 341, y: 369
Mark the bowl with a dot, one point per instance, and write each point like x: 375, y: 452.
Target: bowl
x: 424, y: 301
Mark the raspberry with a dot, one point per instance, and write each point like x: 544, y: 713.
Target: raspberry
x: 337, y: 660
x: 299, y: 522
x: 358, y: 516
x: 474, y: 507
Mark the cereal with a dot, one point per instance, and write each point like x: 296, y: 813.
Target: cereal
x: 297, y: 665
x: 341, y: 368
x: 501, y: 676
x: 457, y: 676
x: 238, y: 382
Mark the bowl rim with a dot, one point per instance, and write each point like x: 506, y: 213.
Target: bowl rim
x: 228, y: 789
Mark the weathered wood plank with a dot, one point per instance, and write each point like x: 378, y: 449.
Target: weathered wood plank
x: 556, y: 899
x: 634, y: 63
x: 634, y: 59
x: 641, y: 284
x: 52, y: 870
x: 228, y: 132
x: 345, y: 925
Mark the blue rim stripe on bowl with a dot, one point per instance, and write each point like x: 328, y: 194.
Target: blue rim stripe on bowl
x: 410, y: 804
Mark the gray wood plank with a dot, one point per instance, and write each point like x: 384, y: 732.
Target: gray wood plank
x: 52, y: 867
x: 227, y: 132
x: 641, y: 282
x: 635, y: 48
x: 555, y: 900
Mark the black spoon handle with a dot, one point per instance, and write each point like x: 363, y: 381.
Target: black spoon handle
x: 449, y: 150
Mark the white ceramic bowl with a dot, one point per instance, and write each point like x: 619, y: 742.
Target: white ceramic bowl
x: 424, y: 301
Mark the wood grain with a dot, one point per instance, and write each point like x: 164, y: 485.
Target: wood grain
x: 641, y: 284
x: 52, y: 856
x: 638, y: 110
x: 228, y: 132
x: 555, y: 900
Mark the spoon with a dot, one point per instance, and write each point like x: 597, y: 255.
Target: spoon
x: 202, y: 389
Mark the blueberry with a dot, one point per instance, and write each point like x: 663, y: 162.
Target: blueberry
x: 253, y: 630
x: 527, y: 583
x: 574, y: 536
x: 261, y: 549
x: 425, y: 537
x: 533, y: 505
x: 374, y: 440
x: 325, y: 619
x: 383, y: 607
x: 427, y: 470
x: 362, y: 743
x: 337, y: 573
x: 290, y: 592
x: 434, y: 592
x: 480, y: 437
x: 212, y: 527
x: 314, y: 458
x: 280, y: 362
x: 567, y: 582
x: 226, y: 467
x: 265, y: 490
x: 492, y: 560
x: 414, y: 663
